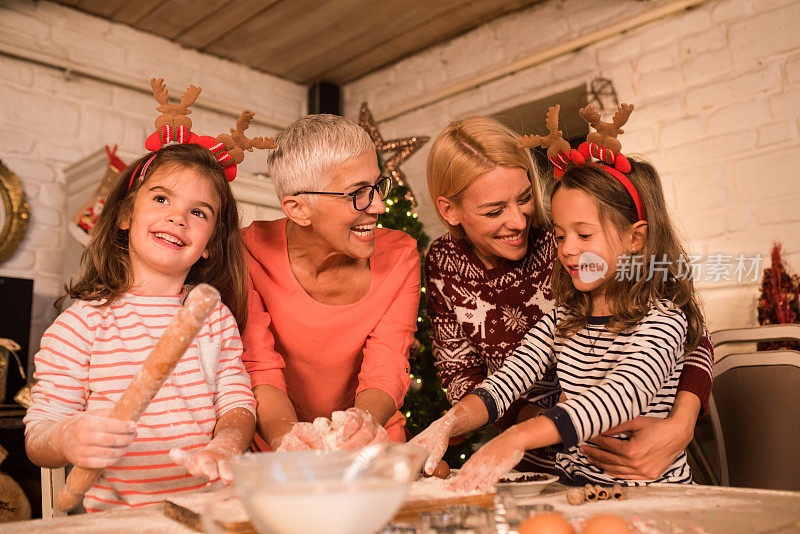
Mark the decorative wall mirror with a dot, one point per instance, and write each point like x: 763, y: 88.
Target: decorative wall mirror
x: 14, y: 213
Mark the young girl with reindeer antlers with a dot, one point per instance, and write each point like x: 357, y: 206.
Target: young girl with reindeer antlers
x: 617, y: 341
x: 170, y: 222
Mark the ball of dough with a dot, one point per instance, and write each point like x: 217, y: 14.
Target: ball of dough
x: 549, y: 523
x: 606, y: 524
x: 575, y: 496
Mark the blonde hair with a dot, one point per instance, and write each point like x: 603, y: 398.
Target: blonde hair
x: 310, y: 149
x: 630, y: 300
x: 469, y: 148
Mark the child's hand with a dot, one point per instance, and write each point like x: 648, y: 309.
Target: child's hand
x: 93, y: 440
x: 213, y: 462
x: 489, y: 463
x: 435, y: 439
x: 359, y: 429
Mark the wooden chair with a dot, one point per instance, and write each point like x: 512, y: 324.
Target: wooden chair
x: 52, y: 481
x: 754, y: 414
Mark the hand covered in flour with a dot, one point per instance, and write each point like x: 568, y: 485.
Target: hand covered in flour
x: 489, y: 463
x: 93, y: 440
x: 355, y: 428
x: 435, y: 440
x: 303, y: 436
x: 212, y: 462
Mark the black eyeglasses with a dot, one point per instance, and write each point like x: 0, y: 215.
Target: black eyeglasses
x: 363, y: 196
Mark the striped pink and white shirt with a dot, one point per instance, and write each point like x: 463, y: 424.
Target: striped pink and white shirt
x: 88, y: 357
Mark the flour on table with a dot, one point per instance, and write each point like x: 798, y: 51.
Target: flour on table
x: 435, y: 488
x: 221, y: 505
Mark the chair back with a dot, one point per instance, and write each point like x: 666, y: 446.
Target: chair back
x: 771, y: 332
x: 756, y: 410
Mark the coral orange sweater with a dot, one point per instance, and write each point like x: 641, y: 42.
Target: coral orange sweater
x: 320, y: 355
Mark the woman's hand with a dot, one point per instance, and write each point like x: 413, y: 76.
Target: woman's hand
x: 652, y: 448
x: 303, y: 436
x: 357, y: 429
x: 435, y: 439
x: 490, y: 462
x: 654, y: 445
x: 93, y: 440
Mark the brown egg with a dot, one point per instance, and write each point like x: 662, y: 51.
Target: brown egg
x: 442, y: 470
x: 606, y: 524
x: 549, y: 523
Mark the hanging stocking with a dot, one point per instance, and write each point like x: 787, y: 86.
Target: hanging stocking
x: 84, y: 220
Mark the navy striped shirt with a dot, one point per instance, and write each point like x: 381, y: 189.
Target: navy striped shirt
x: 607, y: 378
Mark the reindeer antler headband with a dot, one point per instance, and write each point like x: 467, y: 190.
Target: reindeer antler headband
x: 174, y: 126
x: 601, y: 144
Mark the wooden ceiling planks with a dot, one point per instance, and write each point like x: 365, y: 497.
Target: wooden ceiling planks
x: 169, y: 19
x: 103, y: 8
x: 373, y: 30
x: 269, y: 40
x: 464, y: 18
x: 132, y: 12
x: 227, y: 19
x: 331, y: 35
x: 305, y: 40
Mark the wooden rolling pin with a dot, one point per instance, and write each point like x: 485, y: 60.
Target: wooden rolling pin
x: 180, y: 333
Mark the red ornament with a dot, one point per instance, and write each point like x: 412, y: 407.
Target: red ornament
x: 779, y: 303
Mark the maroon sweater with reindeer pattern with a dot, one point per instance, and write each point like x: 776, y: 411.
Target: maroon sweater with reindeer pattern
x: 479, y: 316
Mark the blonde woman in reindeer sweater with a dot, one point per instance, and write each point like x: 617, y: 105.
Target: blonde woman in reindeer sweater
x: 488, y: 283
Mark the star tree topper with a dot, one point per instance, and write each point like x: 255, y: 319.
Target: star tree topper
x: 403, y: 148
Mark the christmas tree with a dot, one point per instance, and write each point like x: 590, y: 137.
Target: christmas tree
x: 425, y: 401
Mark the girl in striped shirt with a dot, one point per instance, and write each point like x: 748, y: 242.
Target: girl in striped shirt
x: 170, y: 222
x: 625, y: 315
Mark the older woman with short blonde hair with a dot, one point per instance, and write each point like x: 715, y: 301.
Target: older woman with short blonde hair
x: 333, y: 298
x: 488, y: 283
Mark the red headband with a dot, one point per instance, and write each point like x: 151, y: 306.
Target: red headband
x: 144, y: 170
x: 174, y: 126
x: 615, y: 165
x: 601, y: 145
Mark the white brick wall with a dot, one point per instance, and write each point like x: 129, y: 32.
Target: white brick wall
x: 49, y: 121
x: 717, y: 94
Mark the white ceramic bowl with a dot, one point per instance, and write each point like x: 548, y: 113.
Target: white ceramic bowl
x: 307, y: 491
x: 526, y: 484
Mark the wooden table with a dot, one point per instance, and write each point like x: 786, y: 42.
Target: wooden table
x: 145, y: 520
x: 692, y: 509
x: 661, y: 508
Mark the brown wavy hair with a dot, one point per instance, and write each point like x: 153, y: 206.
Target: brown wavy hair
x: 630, y: 300
x: 473, y: 146
x: 105, y: 263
